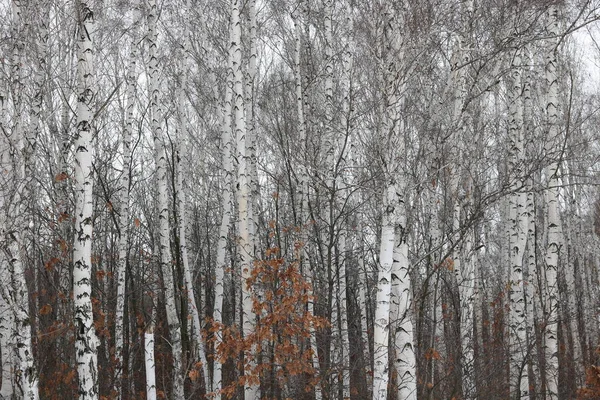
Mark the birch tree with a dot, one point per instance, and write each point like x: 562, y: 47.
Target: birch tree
x: 182, y: 138
x: 6, y: 315
x: 298, y: 17
x: 243, y: 194
x: 519, y: 347
x: 551, y: 196
x: 381, y: 163
x: 227, y: 205
x: 163, y: 206
x: 15, y: 192
x: 124, y: 217
x: 86, y: 341
x: 394, y: 229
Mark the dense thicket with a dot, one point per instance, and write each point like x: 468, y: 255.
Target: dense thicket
x: 320, y: 199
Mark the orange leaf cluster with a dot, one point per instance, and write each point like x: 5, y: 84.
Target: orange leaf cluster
x: 280, y: 295
x: 592, y: 384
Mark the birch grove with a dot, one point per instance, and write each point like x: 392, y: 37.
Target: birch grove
x: 303, y: 199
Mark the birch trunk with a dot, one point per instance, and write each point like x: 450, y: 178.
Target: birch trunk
x: 342, y: 176
x: 124, y: 219
x: 251, y: 129
x: 384, y: 292
x: 149, y: 362
x: 227, y: 174
x: 86, y: 341
x: 363, y: 307
x: 163, y: 209
x: 329, y: 171
x: 25, y: 371
x: 6, y: 316
x: 16, y: 192
x: 394, y: 229
x: 303, y: 187
x: 6, y: 339
x: 530, y: 262
x: 36, y: 130
x: 344, y: 349
x: 519, y: 347
x: 571, y: 279
x: 244, y: 200
x: 531, y: 293
x: 554, y: 233
x: 463, y: 269
x: 329, y: 138
x: 405, y: 362
x: 181, y: 146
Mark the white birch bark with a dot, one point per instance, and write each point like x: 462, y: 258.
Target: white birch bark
x: 468, y: 295
x: 463, y: 269
x: 6, y: 329
x: 25, y: 371
x: 530, y: 263
x: 16, y: 222
x: 227, y: 175
x: 531, y: 293
x: 344, y: 349
x: 303, y: 185
x: 124, y: 217
x: 86, y: 341
x: 363, y: 306
x: 166, y: 263
x: 189, y: 286
x: 6, y: 315
x: 384, y: 292
x: 404, y: 362
x: 329, y: 138
x: 519, y: 347
x: 572, y: 256
x: 401, y: 299
x: 394, y: 219
x: 149, y: 362
x: 553, y: 243
x: 251, y: 387
x: 329, y: 171
x: 36, y: 130
x: 181, y: 146
x: 250, y: 127
x: 342, y: 177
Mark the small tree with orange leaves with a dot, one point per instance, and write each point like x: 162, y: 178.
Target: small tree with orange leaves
x: 276, y: 353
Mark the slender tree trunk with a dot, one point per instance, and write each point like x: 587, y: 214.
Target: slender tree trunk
x: 405, y: 362
x: 6, y: 316
x: 251, y: 128
x: 6, y: 329
x: 16, y: 190
x: 531, y: 292
x: 551, y: 296
x: 572, y: 256
x: 86, y: 341
x: 124, y: 220
x: 530, y: 262
x: 463, y: 269
x: 343, y: 312
x: 363, y: 306
x: 221, y: 266
x: 149, y: 362
x: 303, y: 185
x: 384, y: 292
x: 36, y: 130
x: 181, y: 146
x: 163, y: 209
x: 251, y: 387
x: 519, y: 346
